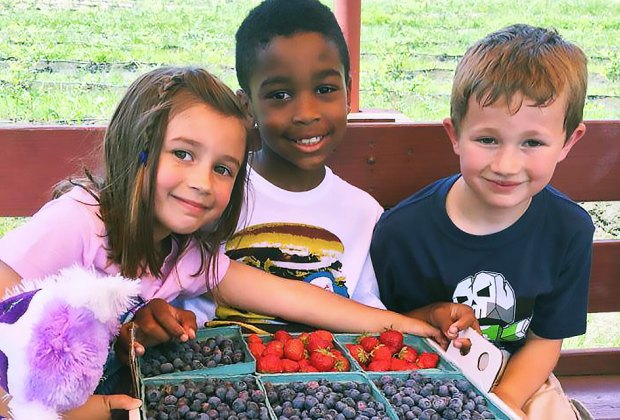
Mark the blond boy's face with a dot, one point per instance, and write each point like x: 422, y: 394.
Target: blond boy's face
x: 506, y: 158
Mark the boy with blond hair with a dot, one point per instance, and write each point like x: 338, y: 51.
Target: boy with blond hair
x: 496, y: 236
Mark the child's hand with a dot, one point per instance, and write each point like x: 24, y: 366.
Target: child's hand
x: 98, y: 407
x: 423, y: 329
x: 158, y: 322
x: 451, y: 318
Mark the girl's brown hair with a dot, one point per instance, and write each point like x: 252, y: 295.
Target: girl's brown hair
x: 132, y: 145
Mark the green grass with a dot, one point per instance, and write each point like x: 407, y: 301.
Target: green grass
x: 71, y: 65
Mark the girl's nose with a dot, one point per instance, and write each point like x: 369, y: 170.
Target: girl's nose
x: 201, y: 180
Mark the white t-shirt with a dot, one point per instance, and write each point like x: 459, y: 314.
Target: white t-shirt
x: 321, y: 236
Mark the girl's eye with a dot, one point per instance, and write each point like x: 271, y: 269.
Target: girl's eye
x: 280, y: 96
x: 532, y: 143
x: 182, y: 154
x: 486, y: 140
x: 223, y: 170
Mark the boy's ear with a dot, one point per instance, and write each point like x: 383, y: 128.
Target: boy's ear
x: 245, y: 102
x: 451, y: 131
x: 572, y: 140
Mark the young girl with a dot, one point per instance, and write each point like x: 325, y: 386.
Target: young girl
x: 175, y: 161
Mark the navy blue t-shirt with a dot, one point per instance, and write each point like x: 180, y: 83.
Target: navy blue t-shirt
x: 533, y: 274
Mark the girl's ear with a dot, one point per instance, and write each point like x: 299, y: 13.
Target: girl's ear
x: 572, y: 140
x: 451, y: 131
x: 349, y: 96
x: 245, y: 102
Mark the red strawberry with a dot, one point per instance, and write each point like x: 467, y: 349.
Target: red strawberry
x: 393, y: 339
x: 379, y: 366
x: 274, y: 347
x: 308, y: 368
x: 358, y: 353
x: 294, y: 349
x: 325, y: 335
x: 428, y: 360
x: 408, y: 354
x: 304, y: 363
x: 341, y: 364
x: 323, y: 360
x: 282, y: 336
x: 304, y: 337
x: 269, y: 363
x: 381, y: 352
x: 253, y: 338
x: 398, y: 364
x: 368, y: 342
x: 289, y: 366
x: 256, y: 349
x: 317, y: 343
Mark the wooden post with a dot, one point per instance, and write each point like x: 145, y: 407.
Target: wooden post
x: 349, y: 16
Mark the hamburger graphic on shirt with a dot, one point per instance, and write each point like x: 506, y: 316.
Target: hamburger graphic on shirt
x: 290, y: 250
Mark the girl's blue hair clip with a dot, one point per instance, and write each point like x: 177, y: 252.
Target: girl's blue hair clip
x: 143, y: 157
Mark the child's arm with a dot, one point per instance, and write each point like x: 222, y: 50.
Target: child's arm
x: 158, y: 322
x: 100, y: 406
x: 8, y: 278
x: 449, y: 317
x: 527, y: 370
x: 254, y: 290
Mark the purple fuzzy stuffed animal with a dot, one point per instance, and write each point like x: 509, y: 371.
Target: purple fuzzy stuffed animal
x: 54, y: 339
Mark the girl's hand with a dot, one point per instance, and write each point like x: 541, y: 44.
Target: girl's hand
x: 421, y: 328
x: 98, y: 407
x: 451, y: 318
x: 158, y: 322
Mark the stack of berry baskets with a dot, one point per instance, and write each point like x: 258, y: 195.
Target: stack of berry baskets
x: 291, y: 353
x: 214, y: 351
x: 393, y: 351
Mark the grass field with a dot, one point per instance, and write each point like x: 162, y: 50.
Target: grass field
x: 69, y: 61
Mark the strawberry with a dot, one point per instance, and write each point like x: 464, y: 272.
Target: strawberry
x: 341, y: 364
x: 294, y: 349
x: 274, y: 347
x: 289, y: 366
x: 304, y: 363
x: 304, y: 337
x: 269, y: 363
x: 379, y: 366
x: 408, y: 354
x: 256, y: 349
x: 317, y: 343
x: 393, y: 339
x: 323, y: 360
x: 282, y: 336
x: 325, y: 335
x: 308, y: 368
x: 398, y: 364
x: 253, y: 338
x: 381, y: 352
x: 428, y: 360
x: 368, y: 342
x: 358, y: 353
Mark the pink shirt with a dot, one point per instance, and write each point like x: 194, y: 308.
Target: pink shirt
x: 67, y: 231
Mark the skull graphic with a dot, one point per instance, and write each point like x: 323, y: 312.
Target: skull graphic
x: 490, y: 296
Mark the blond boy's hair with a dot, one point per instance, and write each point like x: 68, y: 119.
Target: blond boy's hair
x: 521, y: 59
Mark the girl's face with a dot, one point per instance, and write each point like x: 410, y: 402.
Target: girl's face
x: 200, y: 158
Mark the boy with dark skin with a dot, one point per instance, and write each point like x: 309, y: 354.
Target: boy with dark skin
x: 292, y: 65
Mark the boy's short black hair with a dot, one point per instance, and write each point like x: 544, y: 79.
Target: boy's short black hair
x: 274, y: 18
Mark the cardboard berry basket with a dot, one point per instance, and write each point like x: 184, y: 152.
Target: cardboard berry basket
x: 165, y: 387
x: 493, y: 404
x: 248, y: 365
x: 342, y: 378
x: 338, y: 346
x: 419, y: 343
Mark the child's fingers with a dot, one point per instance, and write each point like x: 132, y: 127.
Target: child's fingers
x: 187, y: 319
x: 464, y: 344
x: 121, y: 402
